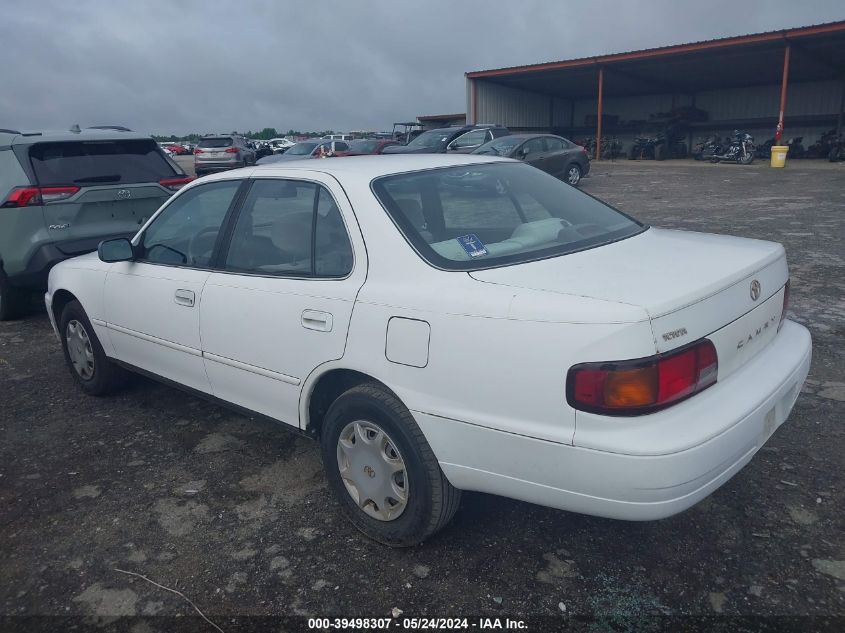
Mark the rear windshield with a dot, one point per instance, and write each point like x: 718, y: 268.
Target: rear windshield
x: 99, y: 162
x: 482, y: 216
x: 216, y: 142
x: 432, y: 139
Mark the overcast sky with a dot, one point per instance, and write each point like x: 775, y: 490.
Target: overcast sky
x: 207, y: 65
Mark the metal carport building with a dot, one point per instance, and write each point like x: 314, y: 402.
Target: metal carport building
x: 748, y: 82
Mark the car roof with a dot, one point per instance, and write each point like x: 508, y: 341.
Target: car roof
x: 366, y: 167
x: 15, y: 137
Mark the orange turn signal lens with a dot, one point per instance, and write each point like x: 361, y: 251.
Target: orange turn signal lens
x: 631, y: 388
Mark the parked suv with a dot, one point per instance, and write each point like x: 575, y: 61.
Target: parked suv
x: 461, y: 139
x: 61, y: 193
x: 218, y: 153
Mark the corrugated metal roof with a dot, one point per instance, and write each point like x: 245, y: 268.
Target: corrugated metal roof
x: 793, y: 33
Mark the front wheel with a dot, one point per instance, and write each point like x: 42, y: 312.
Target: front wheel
x: 748, y: 158
x: 573, y: 175
x: 382, y: 470
x: 84, y: 355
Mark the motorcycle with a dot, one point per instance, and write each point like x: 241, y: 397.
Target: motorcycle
x: 707, y: 147
x: 648, y: 148
x: 796, y: 147
x: 821, y: 148
x: 740, y: 150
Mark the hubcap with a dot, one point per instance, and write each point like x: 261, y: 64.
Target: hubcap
x: 574, y: 176
x: 372, y: 470
x: 79, y: 350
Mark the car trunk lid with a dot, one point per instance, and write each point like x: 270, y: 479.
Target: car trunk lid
x: 691, y: 285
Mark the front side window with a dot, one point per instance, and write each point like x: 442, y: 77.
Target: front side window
x: 488, y: 215
x: 289, y: 228
x: 185, y: 232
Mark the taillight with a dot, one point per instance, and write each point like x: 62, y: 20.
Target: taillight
x: 231, y: 150
x: 31, y: 196
x: 635, y: 387
x: 785, y: 304
x: 197, y: 150
x: 175, y: 184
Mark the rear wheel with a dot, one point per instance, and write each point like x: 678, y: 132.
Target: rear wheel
x: 84, y: 355
x: 573, y: 174
x: 382, y: 470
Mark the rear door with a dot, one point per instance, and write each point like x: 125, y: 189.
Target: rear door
x: 117, y: 187
x: 281, y: 304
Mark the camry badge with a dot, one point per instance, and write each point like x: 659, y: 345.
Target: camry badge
x: 755, y: 290
x: 123, y: 194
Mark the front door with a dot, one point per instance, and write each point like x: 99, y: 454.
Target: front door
x: 152, y: 303
x: 280, y: 305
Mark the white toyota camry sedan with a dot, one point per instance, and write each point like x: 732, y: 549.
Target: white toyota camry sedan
x: 447, y: 323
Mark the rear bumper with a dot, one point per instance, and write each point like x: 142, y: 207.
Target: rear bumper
x: 44, y: 257
x: 217, y: 166
x: 756, y: 400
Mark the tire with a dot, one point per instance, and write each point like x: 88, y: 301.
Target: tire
x: 748, y: 158
x: 10, y: 299
x: 573, y: 174
x: 430, y: 500
x: 100, y: 376
x: 834, y: 154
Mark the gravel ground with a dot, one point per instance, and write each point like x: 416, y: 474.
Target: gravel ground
x: 235, y: 512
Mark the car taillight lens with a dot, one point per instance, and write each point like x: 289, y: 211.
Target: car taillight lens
x: 785, y: 304
x: 231, y: 150
x: 635, y: 387
x: 197, y: 150
x: 31, y: 196
x: 175, y: 184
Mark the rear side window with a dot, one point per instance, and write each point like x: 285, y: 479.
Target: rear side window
x: 11, y: 173
x: 290, y: 228
x: 216, y: 142
x: 99, y: 162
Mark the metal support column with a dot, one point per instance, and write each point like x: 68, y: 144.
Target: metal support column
x: 783, y: 84
x: 841, y: 110
x: 598, y: 127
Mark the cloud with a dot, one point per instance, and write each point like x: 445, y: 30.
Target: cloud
x: 202, y: 66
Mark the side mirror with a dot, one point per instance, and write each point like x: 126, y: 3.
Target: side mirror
x: 116, y: 250
x: 520, y: 153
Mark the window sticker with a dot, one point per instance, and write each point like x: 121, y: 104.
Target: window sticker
x: 473, y: 246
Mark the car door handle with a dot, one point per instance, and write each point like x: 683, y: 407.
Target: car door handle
x: 317, y: 320
x: 184, y: 298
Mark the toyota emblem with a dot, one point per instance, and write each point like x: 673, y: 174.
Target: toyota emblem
x: 123, y: 194
x: 755, y: 290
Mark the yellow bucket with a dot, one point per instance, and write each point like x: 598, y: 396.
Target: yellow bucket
x: 779, y: 155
